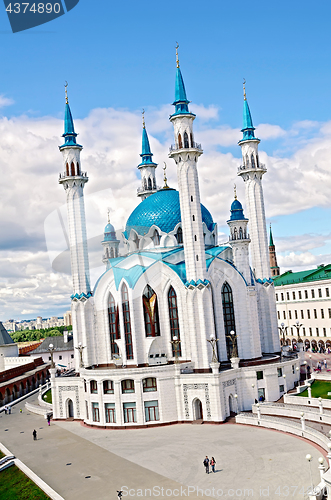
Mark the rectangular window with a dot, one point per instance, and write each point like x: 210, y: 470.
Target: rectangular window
x: 304, y: 330
x: 151, y: 411
x: 261, y: 392
x: 324, y: 332
x: 291, y: 331
x: 288, y: 295
x: 300, y: 296
x: 306, y: 294
x: 302, y: 315
x: 329, y: 312
x: 289, y: 315
x: 315, y: 313
x: 280, y: 372
x: 317, y: 333
x: 281, y: 388
x: 127, y: 386
x: 322, y: 313
x: 320, y: 292
x: 108, y: 387
x: 72, y: 356
x: 149, y: 384
x: 293, y: 294
x: 296, y: 314
x: 282, y: 296
x: 85, y: 387
x: 110, y: 413
x: 310, y: 332
x: 313, y: 294
x: 94, y: 387
x: 276, y: 296
x: 60, y: 357
x: 278, y: 314
x: 129, y: 410
x: 327, y: 292
x: 308, y: 314
x: 259, y: 375
x: 86, y: 408
x: 284, y: 314
x: 95, y: 412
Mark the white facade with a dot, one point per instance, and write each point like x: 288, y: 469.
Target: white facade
x: 141, y: 337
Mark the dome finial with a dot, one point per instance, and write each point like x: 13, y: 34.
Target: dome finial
x: 165, y: 176
x: 108, y: 211
x: 143, y: 113
x: 244, y: 86
x: 235, y: 192
x: 177, y: 60
x: 66, y: 86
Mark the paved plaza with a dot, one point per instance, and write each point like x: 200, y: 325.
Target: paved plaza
x: 82, y: 463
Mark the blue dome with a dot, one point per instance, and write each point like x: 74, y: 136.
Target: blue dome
x: 237, y: 212
x: 109, y: 228
x: 162, y: 209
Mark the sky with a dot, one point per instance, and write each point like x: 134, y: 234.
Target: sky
x: 119, y: 58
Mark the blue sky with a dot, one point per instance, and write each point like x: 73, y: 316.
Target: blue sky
x: 119, y: 58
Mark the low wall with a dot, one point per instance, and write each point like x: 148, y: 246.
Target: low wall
x: 292, y: 411
x: 302, y: 401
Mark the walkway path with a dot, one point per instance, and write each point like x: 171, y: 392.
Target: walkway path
x: 102, y: 461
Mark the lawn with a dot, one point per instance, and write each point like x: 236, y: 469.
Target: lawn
x: 1, y: 455
x: 48, y: 396
x: 16, y: 485
x: 319, y: 388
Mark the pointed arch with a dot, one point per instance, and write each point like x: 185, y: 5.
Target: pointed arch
x: 180, y: 144
x: 151, y: 313
x: 154, y: 183
x: 186, y: 143
x: 174, y: 322
x: 240, y: 233
x: 78, y: 170
x: 145, y: 184
x: 192, y: 143
x: 179, y: 236
x: 252, y: 161
x: 149, y: 184
x: 114, y: 324
x: 156, y: 238
x: 127, y: 322
x: 72, y: 169
x: 228, y: 315
x: 67, y: 170
x: 235, y: 235
x: 111, y: 253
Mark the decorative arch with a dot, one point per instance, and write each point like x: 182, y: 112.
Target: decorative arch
x: 156, y: 238
x: 151, y: 313
x: 112, y: 253
x: 149, y: 184
x: 67, y: 170
x: 179, y: 236
x: 192, y: 143
x: 180, y: 144
x: 73, y: 169
x: 174, y: 322
x: 252, y: 161
x: 240, y: 233
x: 228, y: 316
x: 186, y: 143
x: 114, y: 324
x: 145, y: 184
x: 127, y: 322
x: 197, y: 410
x: 78, y: 170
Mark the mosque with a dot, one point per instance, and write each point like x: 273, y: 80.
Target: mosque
x: 178, y: 328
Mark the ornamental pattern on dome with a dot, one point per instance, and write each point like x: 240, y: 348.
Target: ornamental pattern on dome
x: 161, y: 209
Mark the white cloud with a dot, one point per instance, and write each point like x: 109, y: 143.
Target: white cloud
x: 5, y: 101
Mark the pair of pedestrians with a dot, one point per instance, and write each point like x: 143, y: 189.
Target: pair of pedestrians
x: 207, y: 463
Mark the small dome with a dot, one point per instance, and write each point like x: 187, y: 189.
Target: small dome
x: 237, y: 212
x: 163, y: 210
x: 109, y: 228
x: 236, y: 205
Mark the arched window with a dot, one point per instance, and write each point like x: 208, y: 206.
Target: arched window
x: 180, y: 144
x: 235, y: 236
x: 192, y: 143
x: 247, y: 161
x: 240, y: 233
x: 193, y: 218
x: 145, y: 184
x: 154, y: 184
x: 78, y: 172
x: 112, y: 253
x: 149, y: 184
x: 127, y: 322
x: 151, y: 313
x: 257, y: 161
x: 228, y: 315
x: 149, y: 384
x: 94, y: 387
x: 127, y: 386
x: 156, y: 238
x: 67, y: 170
x: 72, y: 168
x: 253, y: 161
x: 114, y: 325
x: 174, y: 324
x: 179, y: 236
x: 186, y: 143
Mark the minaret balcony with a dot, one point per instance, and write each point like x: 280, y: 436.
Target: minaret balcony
x: 148, y: 191
x: 65, y: 176
x: 175, y: 147
x: 250, y: 167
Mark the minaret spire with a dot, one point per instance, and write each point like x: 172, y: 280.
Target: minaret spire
x: 275, y: 271
x: 147, y: 166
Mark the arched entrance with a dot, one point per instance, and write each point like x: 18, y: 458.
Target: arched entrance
x: 70, y: 408
x: 232, y: 405
x: 197, y: 410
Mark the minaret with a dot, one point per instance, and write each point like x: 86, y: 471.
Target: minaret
x: 110, y: 243
x: 251, y: 172
x: 147, y: 167
x: 275, y: 271
x: 73, y: 181
x: 186, y: 152
x: 239, y: 239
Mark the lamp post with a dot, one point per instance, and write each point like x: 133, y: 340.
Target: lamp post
x: 309, y: 458
x: 80, y: 349
x: 234, y: 351
x: 212, y: 341
x: 175, y: 343
x: 305, y: 365
x: 258, y: 411
x: 320, y: 404
x: 303, y: 423
x: 51, y: 350
x: 309, y: 390
x: 236, y: 398
x: 282, y: 330
x: 298, y: 325
x: 253, y: 387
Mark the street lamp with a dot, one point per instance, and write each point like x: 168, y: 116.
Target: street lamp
x: 309, y: 458
x: 212, y: 341
x: 80, y: 349
x: 234, y: 350
x: 298, y: 325
x: 175, y: 344
x: 283, y: 329
x: 51, y: 350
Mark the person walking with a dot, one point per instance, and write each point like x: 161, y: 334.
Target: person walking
x: 206, y: 464
x: 49, y: 419
x: 213, y: 463
x: 6, y: 409
x: 9, y: 410
x: 119, y: 494
x: 34, y: 434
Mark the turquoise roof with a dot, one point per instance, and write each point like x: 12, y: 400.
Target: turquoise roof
x: 69, y: 129
x: 271, y: 240
x: 248, y: 128
x: 163, y: 210
x: 110, y: 234
x: 321, y: 273
x: 237, y: 212
x: 146, y: 153
x: 181, y: 102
